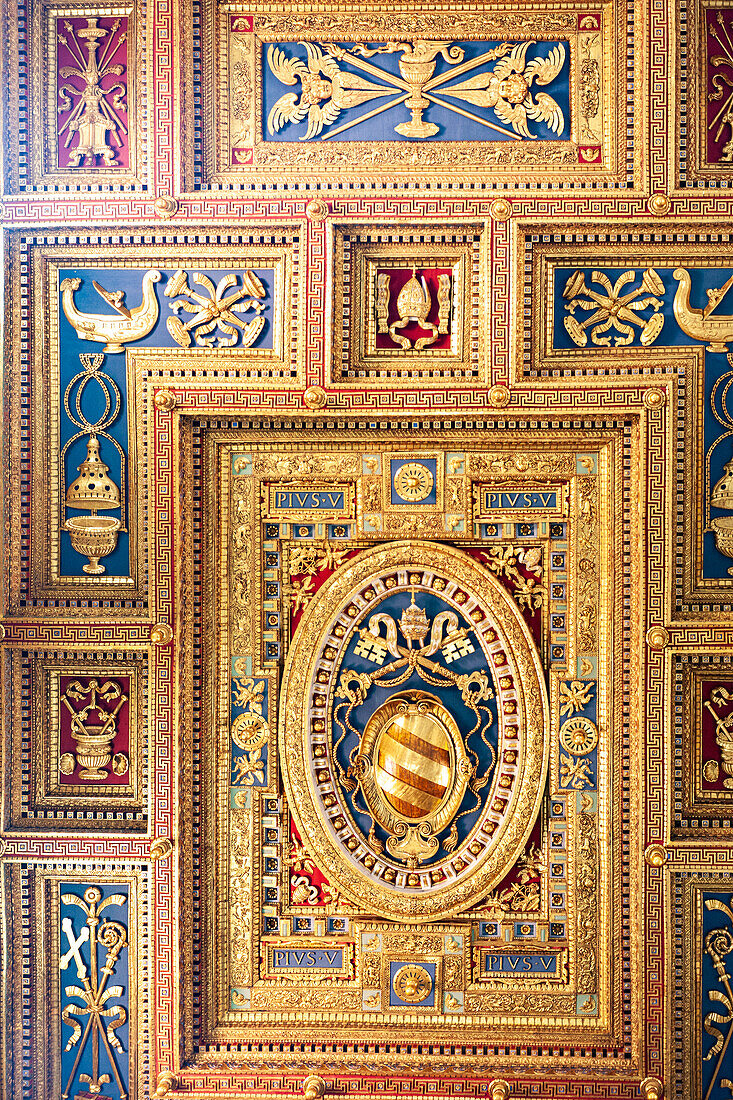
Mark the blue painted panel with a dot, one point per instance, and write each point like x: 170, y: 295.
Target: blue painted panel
x: 82, y: 976
x: 313, y: 91
x: 395, y: 966
x: 88, y: 300
x: 249, y: 767
x: 715, y: 564
x: 717, y: 1052
x: 671, y: 335
x: 396, y: 465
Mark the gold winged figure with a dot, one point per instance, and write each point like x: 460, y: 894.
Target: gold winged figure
x: 325, y: 90
x: 508, y: 89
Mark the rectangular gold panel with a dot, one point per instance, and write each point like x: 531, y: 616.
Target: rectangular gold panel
x: 558, y: 911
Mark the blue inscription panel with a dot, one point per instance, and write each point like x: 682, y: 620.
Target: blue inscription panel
x: 493, y: 500
x: 289, y: 958
x: 505, y: 963
x: 310, y: 502
x: 320, y: 500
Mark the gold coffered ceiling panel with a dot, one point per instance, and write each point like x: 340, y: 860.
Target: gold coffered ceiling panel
x: 368, y: 577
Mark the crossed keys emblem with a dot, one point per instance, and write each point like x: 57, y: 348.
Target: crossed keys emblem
x: 94, y: 991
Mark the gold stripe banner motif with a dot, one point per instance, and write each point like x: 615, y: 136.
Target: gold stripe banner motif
x: 413, y: 764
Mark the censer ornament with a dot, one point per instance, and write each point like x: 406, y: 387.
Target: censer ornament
x: 92, y: 535
x: 721, y: 494
x: 722, y: 526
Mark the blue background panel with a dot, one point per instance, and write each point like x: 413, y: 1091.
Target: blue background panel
x: 715, y: 564
x: 451, y: 125
x: 87, y: 300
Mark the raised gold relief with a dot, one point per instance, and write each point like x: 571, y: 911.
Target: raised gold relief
x: 699, y: 323
x: 612, y: 309
x: 412, y: 769
x: 94, y: 536
x: 412, y: 984
x: 721, y: 698
x: 94, y: 737
x: 215, y: 322
x: 413, y: 304
x: 452, y: 820
x: 132, y: 324
x: 413, y: 481
x: 93, y: 111
x: 101, y: 1001
x: 483, y: 93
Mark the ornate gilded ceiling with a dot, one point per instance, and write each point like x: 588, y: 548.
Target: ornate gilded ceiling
x: 367, y: 688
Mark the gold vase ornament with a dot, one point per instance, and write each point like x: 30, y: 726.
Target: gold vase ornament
x: 93, y: 749
x: 722, y: 526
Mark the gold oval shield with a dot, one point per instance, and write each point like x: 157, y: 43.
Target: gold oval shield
x: 403, y: 882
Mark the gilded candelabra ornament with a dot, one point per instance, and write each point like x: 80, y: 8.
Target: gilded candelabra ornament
x: 214, y: 322
x: 722, y: 83
x: 328, y: 89
x: 102, y: 328
x: 93, y: 111
x: 613, y: 310
x: 699, y: 323
x: 413, y: 305
x: 94, y: 992
x: 94, y: 727
x: 92, y: 535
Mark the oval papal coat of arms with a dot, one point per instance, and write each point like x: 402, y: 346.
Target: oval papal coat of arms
x: 413, y: 730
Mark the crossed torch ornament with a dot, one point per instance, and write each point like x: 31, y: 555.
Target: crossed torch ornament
x: 94, y: 991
